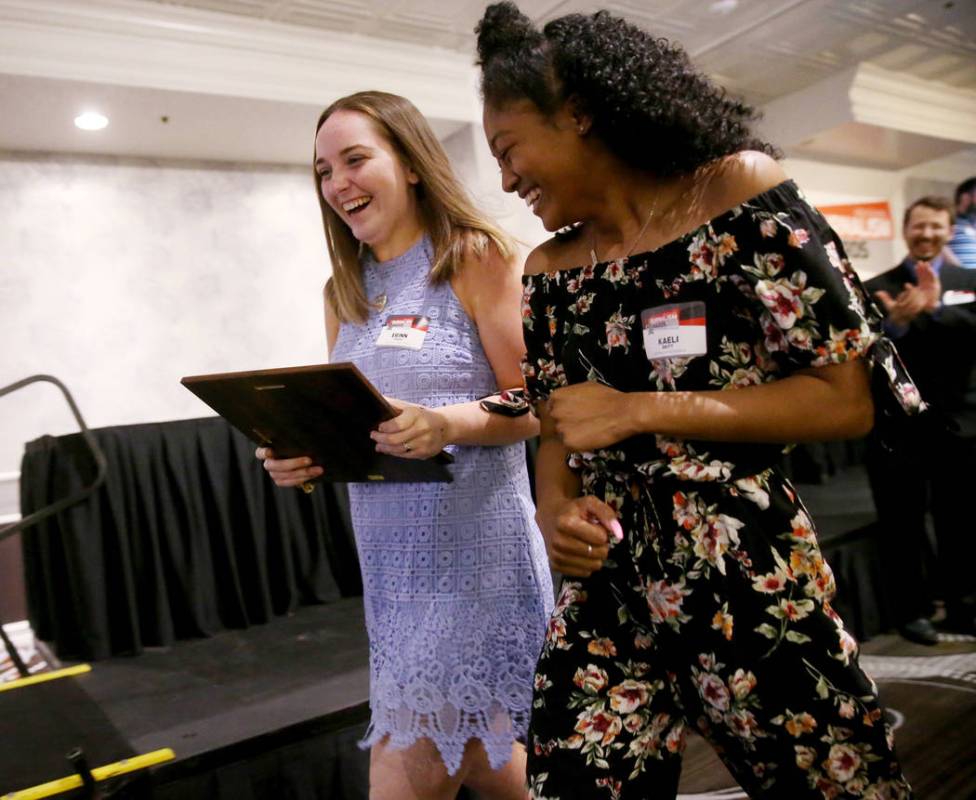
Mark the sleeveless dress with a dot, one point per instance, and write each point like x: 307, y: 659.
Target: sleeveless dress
x: 456, y: 584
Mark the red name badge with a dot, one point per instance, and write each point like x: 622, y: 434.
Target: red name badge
x: 404, y: 330
x: 675, y: 331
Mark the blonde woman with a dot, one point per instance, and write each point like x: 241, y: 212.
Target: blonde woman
x: 456, y: 584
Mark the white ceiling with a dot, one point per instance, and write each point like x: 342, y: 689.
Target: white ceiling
x: 856, y: 144
x: 38, y: 115
x: 762, y: 49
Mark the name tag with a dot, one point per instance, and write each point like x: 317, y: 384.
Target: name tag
x: 958, y: 297
x: 675, y: 330
x: 403, y: 330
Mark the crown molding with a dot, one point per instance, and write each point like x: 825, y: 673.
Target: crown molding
x: 906, y: 103
x: 870, y: 95
x: 135, y: 43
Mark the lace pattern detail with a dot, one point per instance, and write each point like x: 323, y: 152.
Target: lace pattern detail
x: 444, y: 680
x: 455, y: 577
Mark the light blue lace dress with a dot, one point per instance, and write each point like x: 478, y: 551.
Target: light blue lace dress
x: 455, y: 578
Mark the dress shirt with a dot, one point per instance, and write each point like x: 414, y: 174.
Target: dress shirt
x: 963, y: 241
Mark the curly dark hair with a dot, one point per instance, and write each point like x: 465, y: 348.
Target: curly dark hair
x: 648, y: 103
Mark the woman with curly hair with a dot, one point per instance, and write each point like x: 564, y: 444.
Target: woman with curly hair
x: 692, y: 315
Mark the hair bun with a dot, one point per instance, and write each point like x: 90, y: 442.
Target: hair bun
x: 504, y: 28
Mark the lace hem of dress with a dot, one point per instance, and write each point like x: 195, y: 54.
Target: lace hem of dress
x: 453, y: 672
x: 450, y: 730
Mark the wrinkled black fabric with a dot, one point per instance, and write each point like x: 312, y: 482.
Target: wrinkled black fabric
x: 187, y: 536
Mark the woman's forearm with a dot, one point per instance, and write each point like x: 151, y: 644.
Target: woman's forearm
x: 555, y: 483
x: 810, y: 405
x: 815, y: 405
x: 469, y: 424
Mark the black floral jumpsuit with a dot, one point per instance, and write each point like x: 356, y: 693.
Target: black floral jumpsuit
x: 714, y: 611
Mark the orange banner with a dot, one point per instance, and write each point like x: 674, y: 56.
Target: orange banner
x: 860, y: 221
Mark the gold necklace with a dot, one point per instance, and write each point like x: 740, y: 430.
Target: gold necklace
x: 633, y: 245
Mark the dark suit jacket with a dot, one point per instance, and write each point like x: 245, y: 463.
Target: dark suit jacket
x: 940, y: 348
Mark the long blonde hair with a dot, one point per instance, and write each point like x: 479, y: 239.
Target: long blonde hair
x: 456, y: 227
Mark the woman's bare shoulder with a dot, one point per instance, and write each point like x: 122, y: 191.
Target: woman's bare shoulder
x: 743, y: 175
x: 559, y: 252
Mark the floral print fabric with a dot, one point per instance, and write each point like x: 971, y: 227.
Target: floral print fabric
x: 714, y: 611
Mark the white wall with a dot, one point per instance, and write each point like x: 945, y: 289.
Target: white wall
x: 120, y: 276
x: 825, y: 183
x: 477, y: 168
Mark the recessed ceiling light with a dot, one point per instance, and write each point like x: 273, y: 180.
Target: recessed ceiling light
x: 91, y: 121
x: 723, y: 6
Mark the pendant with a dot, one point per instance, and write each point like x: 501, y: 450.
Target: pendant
x: 593, y: 257
x: 379, y: 302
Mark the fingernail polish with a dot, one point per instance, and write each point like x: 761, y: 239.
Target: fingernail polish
x: 618, y: 532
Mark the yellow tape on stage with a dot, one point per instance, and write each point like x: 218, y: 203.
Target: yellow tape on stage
x: 41, y: 677
x: 99, y: 774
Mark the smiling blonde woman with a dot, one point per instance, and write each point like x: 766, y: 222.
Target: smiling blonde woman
x: 456, y: 586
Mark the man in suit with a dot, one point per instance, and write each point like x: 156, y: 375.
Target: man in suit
x: 930, y: 314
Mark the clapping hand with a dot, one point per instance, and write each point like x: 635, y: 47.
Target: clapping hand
x: 913, y: 299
